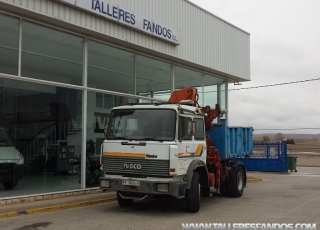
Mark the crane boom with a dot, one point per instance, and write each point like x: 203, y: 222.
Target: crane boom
x: 190, y: 93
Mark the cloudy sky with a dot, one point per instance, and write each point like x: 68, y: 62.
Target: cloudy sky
x: 285, y: 47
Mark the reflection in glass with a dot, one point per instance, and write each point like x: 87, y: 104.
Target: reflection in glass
x: 153, y: 77
x: 223, y: 103
x: 98, y: 115
x: 210, y: 92
x: 44, y: 124
x: 186, y: 77
x: 110, y: 68
x: 9, y: 44
x: 50, y: 54
x: 11, y: 162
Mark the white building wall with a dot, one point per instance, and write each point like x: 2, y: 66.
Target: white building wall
x: 205, y: 39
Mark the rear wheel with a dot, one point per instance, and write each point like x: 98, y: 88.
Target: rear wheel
x: 10, y: 185
x: 123, y: 202
x: 193, y: 194
x: 236, y: 182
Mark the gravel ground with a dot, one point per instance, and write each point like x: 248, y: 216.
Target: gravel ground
x: 306, y: 159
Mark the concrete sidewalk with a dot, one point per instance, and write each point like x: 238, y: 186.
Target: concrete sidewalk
x: 56, y: 204
x: 72, y: 202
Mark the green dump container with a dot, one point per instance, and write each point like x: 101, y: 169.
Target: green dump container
x: 292, y: 163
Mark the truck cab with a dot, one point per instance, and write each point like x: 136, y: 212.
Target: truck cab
x: 148, y: 150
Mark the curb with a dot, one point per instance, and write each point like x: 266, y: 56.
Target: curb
x: 8, y: 214
x: 254, y: 180
x: 57, y: 207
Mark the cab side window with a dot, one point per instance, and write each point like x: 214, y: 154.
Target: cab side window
x: 183, y: 131
x: 199, y: 132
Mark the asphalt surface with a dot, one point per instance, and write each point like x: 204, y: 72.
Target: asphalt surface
x: 279, y: 198
x: 72, y: 202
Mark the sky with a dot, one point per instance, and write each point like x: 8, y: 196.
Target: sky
x: 284, y: 47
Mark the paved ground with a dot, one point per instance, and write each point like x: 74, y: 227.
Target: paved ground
x: 278, y: 198
x: 72, y: 202
x: 306, y: 158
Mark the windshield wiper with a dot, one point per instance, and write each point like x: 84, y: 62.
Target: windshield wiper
x: 150, y: 139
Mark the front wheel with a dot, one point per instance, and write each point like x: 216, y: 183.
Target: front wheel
x: 236, y: 182
x: 193, y: 194
x: 10, y: 185
x: 123, y: 202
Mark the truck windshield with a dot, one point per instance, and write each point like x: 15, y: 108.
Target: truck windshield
x: 4, y: 139
x: 142, y: 124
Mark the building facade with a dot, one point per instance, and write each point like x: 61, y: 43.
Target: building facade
x: 65, y: 63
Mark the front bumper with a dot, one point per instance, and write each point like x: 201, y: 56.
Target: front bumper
x: 11, y: 172
x: 175, y: 188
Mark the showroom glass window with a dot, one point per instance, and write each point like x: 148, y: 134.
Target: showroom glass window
x: 153, y: 77
x: 9, y: 44
x: 185, y: 77
x: 214, y: 92
x: 44, y: 124
x: 51, y: 54
x: 211, y: 84
x: 98, y: 113
x: 223, y: 100
x: 110, y: 68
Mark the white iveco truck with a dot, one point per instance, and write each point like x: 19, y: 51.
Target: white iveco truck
x: 162, y: 149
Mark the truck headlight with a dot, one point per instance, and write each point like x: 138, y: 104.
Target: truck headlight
x: 162, y: 188
x: 105, y: 183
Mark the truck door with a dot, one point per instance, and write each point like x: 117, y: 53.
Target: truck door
x: 191, y: 137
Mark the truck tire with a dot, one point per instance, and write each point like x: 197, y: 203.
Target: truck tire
x: 224, y: 188
x: 236, y: 182
x: 10, y: 185
x: 124, y: 202
x: 193, y: 194
x: 204, y: 191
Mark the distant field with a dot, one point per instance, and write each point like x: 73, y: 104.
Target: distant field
x: 301, y: 145
x: 308, y: 160
x: 307, y: 151
x: 305, y: 146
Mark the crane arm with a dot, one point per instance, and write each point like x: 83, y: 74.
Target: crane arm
x: 211, y: 115
x: 190, y: 93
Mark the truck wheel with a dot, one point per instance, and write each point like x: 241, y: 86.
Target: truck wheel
x: 193, y: 194
x: 204, y: 191
x: 236, y: 182
x: 224, y: 188
x: 124, y: 202
x: 10, y: 185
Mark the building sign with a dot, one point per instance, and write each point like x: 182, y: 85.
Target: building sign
x: 116, y: 13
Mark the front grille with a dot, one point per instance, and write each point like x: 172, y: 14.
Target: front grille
x: 149, y: 167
